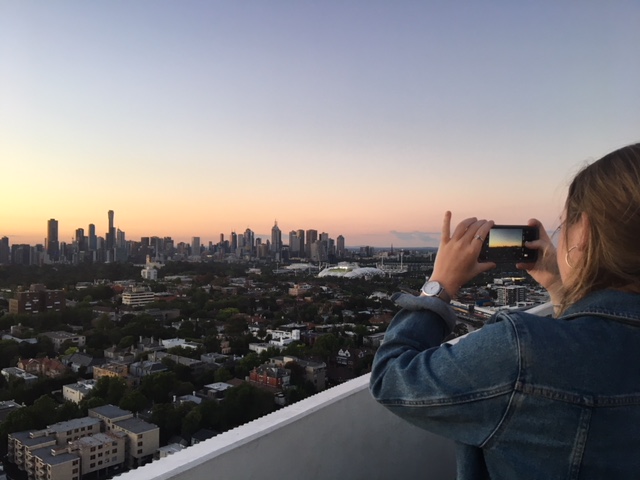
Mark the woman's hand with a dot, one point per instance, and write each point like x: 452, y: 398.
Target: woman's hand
x: 457, y: 259
x: 545, y: 270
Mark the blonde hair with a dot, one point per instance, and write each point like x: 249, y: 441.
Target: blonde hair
x: 608, y: 191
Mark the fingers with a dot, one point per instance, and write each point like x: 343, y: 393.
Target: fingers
x: 484, y: 228
x: 446, y: 227
x: 462, y: 227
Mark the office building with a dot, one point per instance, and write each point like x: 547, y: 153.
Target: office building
x: 340, y: 248
x: 311, y: 238
x: 4, y: 250
x: 53, y: 246
x: 511, y: 294
x: 195, y: 246
x: 276, y: 239
x: 92, y: 239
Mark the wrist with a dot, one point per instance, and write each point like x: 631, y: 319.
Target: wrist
x: 437, y: 289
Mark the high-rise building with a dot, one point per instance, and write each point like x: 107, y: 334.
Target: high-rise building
x: 53, y: 246
x: 249, y: 241
x: 294, y: 244
x: 312, y: 237
x: 340, y: 250
x: 195, y: 246
x: 111, y: 233
x: 81, y: 241
x: 120, y: 239
x: 4, y: 250
x: 233, y: 244
x: 276, y: 239
x: 93, y: 240
x: 511, y: 294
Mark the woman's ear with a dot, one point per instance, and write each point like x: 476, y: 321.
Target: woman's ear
x: 583, y: 235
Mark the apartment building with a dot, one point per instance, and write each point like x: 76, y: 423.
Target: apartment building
x: 22, y: 446
x: 109, y: 438
x: 142, y: 438
x: 58, y: 338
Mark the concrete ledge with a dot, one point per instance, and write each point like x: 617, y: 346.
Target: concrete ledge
x: 338, y: 433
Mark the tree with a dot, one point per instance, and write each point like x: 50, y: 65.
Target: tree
x: 134, y: 401
x: 222, y: 375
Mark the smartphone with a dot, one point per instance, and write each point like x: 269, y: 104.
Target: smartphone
x: 505, y: 244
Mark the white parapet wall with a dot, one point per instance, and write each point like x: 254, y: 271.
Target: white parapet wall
x: 339, y: 433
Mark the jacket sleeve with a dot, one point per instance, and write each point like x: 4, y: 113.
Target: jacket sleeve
x: 461, y: 391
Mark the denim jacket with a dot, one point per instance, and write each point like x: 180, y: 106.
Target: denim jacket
x: 524, y: 397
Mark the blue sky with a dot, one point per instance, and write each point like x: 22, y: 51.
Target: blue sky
x: 361, y: 118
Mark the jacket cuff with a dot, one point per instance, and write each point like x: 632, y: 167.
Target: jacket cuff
x: 433, y: 304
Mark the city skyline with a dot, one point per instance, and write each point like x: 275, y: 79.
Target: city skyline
x: 367, y: 119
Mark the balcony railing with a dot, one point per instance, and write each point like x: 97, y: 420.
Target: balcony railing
x: 338, y: 433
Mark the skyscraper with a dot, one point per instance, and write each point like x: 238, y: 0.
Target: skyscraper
x: 195, y: 246
x: 340, y: 246
x: 81, y: 242
x: 111, y: 233
x: 53, y: 247
x: 276, y: 239
x: 312, y: 237
x: 4, y: 250
x: 93, y: 240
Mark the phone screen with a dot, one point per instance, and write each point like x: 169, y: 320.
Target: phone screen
x: 505, y: 244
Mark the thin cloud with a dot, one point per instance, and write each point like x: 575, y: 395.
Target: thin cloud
x: 417, y: 237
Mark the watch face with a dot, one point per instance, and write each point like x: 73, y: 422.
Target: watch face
x: 432, y: 288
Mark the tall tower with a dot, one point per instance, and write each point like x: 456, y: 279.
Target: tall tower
x: 111, y: 233
x: 53, y: 247
x: 340, y: 246
x: 4, y: 250
x: 312, y: 237
x: 195, y: 246
x: 276, y: 239
x: 93, y: 240
x: 81, y: 242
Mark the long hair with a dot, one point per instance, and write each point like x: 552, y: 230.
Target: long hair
x: 608, y: 191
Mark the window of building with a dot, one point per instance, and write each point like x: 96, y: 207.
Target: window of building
x: 100, y: 462
x: 100, y: 454
x: 93, y: 457
x: 139, y: 444
x: 92, y: 465
x: 93, y: 449
x: 75, y: 470
x: 75, y: 462
x: 139, y: 451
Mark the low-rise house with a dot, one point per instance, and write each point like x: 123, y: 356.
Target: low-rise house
x: 43, y: 367
x: 146, y: 367
x: 78, y: 361
x: 217, y: 390
x: 196, y: 366
x: 111, y: 370
x: 271, y: 376
x: 13, y: 372
x: 6, y: 408
x: 314, y: 372
x: 58, y: 338
x: 75, y: 392
x: 147, y: 344
x: 119, y: 355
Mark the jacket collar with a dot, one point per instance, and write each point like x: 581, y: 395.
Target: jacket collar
x: 614, y: 305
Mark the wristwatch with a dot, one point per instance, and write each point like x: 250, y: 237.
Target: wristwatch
x: 434, y: 289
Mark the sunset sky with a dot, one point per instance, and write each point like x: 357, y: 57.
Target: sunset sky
x: 364, y: 118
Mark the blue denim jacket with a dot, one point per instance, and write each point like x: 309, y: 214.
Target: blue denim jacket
x: 525, y: 397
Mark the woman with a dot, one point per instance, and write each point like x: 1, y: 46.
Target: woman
x: 526, y: 396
